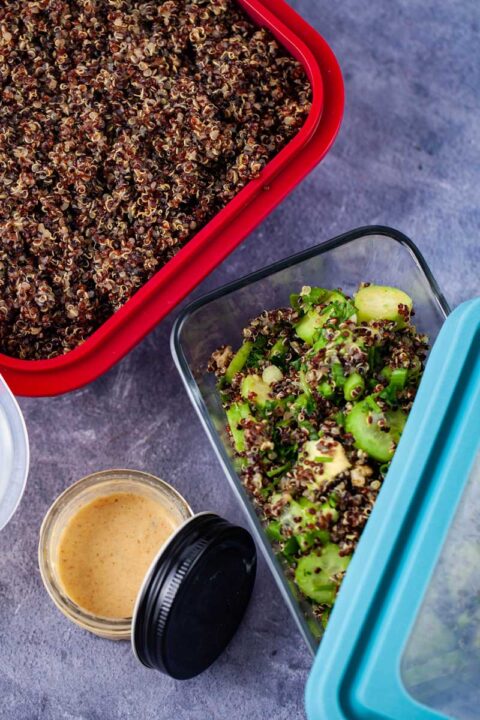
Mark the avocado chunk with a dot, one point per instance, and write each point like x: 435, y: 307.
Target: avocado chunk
x: 301, y: 518
x: 363, y: 423
x: 235, y: 413
x: 254, y: 385
x: 303, y: 514
x: 315, y: 319
x: 316, y: 574
x: 307, y: 327
x: 332, y: 462
x: 380, y: 302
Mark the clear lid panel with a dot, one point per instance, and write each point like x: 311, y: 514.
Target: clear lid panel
x: 441, y: 663
x: 14, y: 454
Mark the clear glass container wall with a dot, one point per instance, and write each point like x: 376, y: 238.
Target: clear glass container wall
x: 361, y: 256
x: 441, y: 663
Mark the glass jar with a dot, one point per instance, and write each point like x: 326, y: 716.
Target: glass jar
x: 67, y: 505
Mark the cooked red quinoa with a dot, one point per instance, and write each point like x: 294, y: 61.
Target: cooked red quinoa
x: 125, y: 126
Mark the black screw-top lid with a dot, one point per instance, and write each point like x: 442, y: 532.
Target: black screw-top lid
x: 194, y: 596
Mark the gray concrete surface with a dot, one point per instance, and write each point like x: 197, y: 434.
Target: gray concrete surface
x: 409, y: 156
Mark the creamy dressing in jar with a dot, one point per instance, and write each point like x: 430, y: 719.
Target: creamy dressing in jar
x: 98, y: 541
x: 107, y: 547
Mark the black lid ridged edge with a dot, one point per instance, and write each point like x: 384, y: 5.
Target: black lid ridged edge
x: 144, y: 643
x: 165, y: 578
x: 168, y: 597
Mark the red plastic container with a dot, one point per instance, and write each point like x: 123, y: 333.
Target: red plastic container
x: 221, y: 235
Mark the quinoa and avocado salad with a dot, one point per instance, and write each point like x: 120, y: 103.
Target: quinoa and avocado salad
x: 316, y: 399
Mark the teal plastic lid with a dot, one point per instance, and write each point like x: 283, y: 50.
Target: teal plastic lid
x: 14, y: 454
x: 403, y: 641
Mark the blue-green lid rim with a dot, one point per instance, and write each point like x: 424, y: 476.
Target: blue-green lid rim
x: 356, y: 673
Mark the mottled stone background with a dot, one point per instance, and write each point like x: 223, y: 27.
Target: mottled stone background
x: 408, y: 155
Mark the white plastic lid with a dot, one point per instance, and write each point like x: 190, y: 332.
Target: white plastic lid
x: 14, y: 454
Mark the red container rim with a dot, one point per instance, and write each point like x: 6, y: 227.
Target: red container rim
x: 152, y: 302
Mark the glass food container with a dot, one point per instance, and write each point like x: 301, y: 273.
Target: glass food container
x: 123, y: 330
x: 375, y: 254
